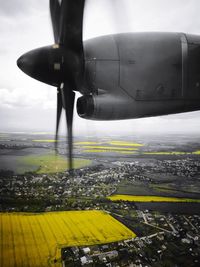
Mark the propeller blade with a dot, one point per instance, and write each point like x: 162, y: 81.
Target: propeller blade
x: 55, y: 17
x: 59, y: 111
x: 71, y: 24
x: 68, y: 97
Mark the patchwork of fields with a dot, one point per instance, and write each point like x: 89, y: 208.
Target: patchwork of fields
x: 29, y: 239
x: 125, y: 147
x: 119, y: 147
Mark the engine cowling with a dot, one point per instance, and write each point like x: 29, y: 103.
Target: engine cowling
x: 108, y: 107
x: 134, y: 75
x: 121, y: 107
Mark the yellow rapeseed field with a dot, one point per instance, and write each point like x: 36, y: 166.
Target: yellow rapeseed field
x: 196, y: 152
x: 122, y: 143
x: 87, y: 143
x: 110, y: 148
x: 116, y: 143
x: 151, y: 199
x: 29, y: 239
x: 46, y: 141
x: 106, y: 151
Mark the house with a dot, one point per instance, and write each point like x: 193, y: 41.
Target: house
x: 86, y: 250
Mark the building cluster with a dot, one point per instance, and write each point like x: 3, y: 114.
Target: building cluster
x: 61, y: 190
x: 174, y: 241
x: 182, y: 167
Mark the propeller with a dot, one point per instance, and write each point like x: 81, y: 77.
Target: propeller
x: 67, y: 23
x: 61, y: 65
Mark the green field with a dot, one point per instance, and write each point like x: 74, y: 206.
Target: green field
x: 52, y: 163
x: 135, y: 188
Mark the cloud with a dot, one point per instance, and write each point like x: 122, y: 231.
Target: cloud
x: 15, y: 8
x: 111, y: 16
x: 28, y: 98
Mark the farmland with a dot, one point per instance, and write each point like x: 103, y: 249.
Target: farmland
x: 125, y: 143
x: 162, y: 173
x: 29, y: 239
x: 117, y: 147
x: 117, y: 143
x: 127, y: 147
x: 108, y: 150
x: 45, y: 140
x: 51, y: 163
x: 152, y: 199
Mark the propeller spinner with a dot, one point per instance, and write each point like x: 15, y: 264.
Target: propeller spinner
x: 61, y: 65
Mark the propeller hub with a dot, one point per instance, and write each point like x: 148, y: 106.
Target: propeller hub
x: 51, y: 64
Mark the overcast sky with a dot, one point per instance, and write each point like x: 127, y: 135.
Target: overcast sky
x: 28, y: 105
